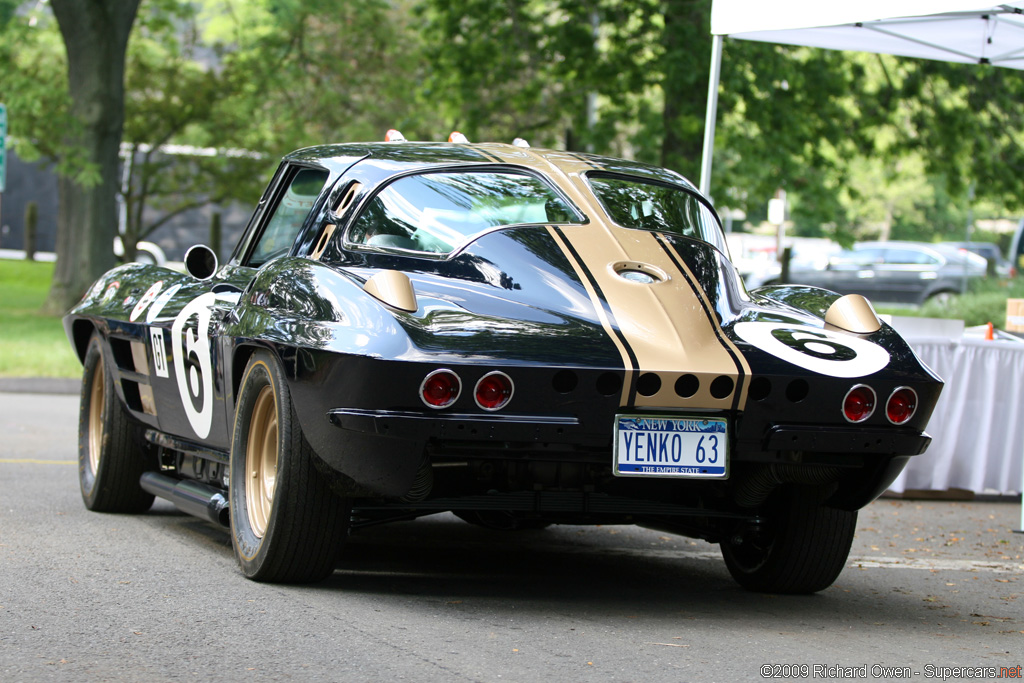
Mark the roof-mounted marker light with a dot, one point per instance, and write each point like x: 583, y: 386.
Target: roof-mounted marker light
x: 519, y: 142
x: 456, y: 136
x: 394, y: 135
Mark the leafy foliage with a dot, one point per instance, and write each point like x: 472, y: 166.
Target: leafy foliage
x: 984, y: 303
x: 864, y: 145
x: 33, y: 85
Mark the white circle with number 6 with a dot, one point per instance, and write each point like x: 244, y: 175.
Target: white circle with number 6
x: 194, y: 345
x: 812, y: 348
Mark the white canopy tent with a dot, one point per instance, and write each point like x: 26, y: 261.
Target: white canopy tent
x: 967, y: 31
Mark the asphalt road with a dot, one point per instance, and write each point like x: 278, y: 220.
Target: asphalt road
x: 157, y: 597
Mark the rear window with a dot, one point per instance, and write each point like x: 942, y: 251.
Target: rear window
x: 437, y: 213
x: 649, y: 205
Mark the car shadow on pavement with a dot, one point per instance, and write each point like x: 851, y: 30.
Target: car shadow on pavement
x: 612, y: 570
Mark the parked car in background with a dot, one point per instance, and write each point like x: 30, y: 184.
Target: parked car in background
x: 757, y: 262
x: 895, y: 272
x: 145, y: 252
x: 1017, y: 247
x: 999, y: 265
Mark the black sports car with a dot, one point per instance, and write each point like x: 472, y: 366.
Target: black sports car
x: 523, y: 337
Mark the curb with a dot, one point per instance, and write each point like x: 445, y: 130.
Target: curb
x: 40, y: 385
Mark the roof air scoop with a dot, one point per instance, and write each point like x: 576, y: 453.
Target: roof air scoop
x: 853, y: 313
x: 392, y: 288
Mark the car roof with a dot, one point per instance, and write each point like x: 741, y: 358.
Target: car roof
x: 410, y: 156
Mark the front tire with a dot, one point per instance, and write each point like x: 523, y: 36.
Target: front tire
x: 803, y: 548
x: 111, y: 453
x: 286, y: 524
x: 941, y: 299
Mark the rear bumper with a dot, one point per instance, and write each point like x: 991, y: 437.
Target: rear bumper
x: 841, y: 440
x: 462, y: 426
x: 419, y: 426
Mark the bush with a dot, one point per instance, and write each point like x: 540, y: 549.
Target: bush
x: 985, y: 302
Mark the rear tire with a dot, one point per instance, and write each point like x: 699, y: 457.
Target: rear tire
x: 112, y: 455
x: 803, y: 548
x: 286, y: 524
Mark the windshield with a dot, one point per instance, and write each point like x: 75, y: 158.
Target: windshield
x: 438, y: 212
x: 650, y: 205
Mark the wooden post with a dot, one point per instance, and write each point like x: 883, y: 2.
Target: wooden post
x: 31, y: 226
x: 215, y: 233
x: 787, y: 256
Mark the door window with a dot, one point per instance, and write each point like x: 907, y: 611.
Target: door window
x: 288, y: 216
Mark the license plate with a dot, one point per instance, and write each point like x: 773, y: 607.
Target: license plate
x: 671, y: 446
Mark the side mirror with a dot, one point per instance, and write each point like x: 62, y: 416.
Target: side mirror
x: 200, y: 262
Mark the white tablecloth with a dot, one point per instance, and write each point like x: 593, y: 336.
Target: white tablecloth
x: 977, y: 428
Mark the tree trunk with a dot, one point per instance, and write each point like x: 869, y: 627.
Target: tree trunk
x: 96, y: 38
x: 31, y: 230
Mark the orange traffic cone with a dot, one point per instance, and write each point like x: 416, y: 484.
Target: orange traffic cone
x: 989, y: 333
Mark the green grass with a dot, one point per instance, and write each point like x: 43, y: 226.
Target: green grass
x: 31, y: 344
x: 984, y: 303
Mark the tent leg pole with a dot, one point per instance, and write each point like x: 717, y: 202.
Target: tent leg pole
x: 712, y: 113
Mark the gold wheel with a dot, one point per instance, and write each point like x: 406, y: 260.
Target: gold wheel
x: 97, y: 401
x: 261, y: 461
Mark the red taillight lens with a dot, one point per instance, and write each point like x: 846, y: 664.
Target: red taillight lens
x: 493, y: 391
x: 901, y: 406
x: 440, y: 388
x: 859, y: 403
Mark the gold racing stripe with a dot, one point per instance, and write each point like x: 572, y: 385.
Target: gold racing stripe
x: 602, y: 315
x: 667, y: 328
x: 740, y: 360
x: 665, y: 324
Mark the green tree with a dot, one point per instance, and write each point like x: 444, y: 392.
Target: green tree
x: 970, y: 119
x: 843, y: 133
x: 95, y: 34
x: 306, y: 72
x: 175, y: 104
x: 261, y: 77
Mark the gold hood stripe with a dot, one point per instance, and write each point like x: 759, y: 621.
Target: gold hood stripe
x: 629, y: 361
x: 668, y: 328
x: 742, y: 367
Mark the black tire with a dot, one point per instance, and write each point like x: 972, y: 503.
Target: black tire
x: 802, y: 549
x: 111, y: 452
x: 286, y: 524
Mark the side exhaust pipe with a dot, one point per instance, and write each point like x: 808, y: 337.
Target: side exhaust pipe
x: 191, y: 497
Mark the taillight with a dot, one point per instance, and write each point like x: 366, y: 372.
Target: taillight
x: 859, y: 403
x: 440, y: 388
x: 493, y: 391
x: 901, y: 406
